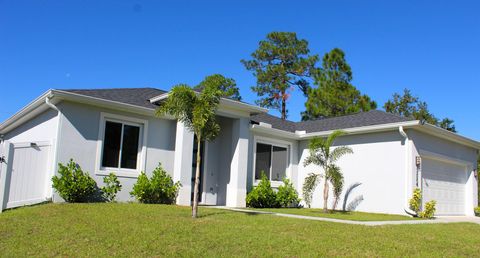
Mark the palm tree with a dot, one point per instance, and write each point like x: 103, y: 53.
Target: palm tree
x: 322, y: 155
x: 197, y: 112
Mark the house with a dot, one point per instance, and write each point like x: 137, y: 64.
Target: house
x: 115, y: 130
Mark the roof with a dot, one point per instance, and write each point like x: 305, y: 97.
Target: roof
x: 138, y: 100
x: 373, y: 117
x: 134, y: 96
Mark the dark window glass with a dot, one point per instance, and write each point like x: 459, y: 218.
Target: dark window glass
x: 263, y: 160
x: 130, y: 146
x: 279, y: 163
x: 111, y: 144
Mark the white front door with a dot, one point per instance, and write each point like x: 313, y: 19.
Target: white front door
x: 445, y: 183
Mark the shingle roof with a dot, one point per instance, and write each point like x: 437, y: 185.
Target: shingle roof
x: 276, y: 122
x: 141, y: 97
x: 134, y: 96
x: 374, y: 117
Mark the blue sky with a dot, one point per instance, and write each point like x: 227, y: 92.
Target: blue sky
x: 430, y: 47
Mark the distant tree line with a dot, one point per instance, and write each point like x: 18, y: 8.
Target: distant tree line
x: 282, y: 63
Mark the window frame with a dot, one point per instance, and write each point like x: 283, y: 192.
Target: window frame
x: 277, y: 143
x: 142, y: 146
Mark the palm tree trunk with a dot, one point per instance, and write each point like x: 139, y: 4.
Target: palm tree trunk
x: 325, y: 197
x: 335, y: 202
x: 197, y: 179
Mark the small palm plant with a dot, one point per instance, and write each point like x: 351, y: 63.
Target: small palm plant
x: 322, y: 154
x: 198, y: 113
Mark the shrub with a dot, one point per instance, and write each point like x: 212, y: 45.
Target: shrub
x: 287, y: 196
x: 159, y: 189
x: 111, y: 188
x: 416, y: 202
x: 73, y: 185
x: 262, y: 196
x: 477, y: 211
x: 429, y: 210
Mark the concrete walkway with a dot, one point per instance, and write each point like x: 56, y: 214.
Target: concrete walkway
x: 438, y: 220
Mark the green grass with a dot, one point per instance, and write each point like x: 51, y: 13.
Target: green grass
x: 79, y: 230
x: 357, y: 216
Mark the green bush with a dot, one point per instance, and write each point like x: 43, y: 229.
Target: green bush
x: 262, y: 196
x: 159, y: 189
x: 477, y: 211
x: 111, y: 188
x: 429, y: 210
x: 416, y: 202
x: 73, y: 185
x: 287, y: 196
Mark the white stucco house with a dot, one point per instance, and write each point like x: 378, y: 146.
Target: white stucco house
x: 115, y: 130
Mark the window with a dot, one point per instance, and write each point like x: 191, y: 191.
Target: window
x: 120, y: 145
x: 271, y: 160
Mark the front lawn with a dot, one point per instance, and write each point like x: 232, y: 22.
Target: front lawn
x: 351, y: 215
x: 76, y: 230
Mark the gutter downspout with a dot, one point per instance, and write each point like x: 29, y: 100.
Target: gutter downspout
x: 55, y: 154
x: 407, y: 170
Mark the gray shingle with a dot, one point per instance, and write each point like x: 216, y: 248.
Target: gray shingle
x: 134, y: 96
x: 276, y: 122
x: 141, y: 96
x: 374, y: 117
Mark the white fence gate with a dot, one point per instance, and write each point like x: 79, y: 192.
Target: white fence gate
x: 24, y: 173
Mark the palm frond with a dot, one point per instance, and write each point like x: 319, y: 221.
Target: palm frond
x: 179, y: 104
x: 316, y: 159
x: 339, y: 152
x: 332, y: 137
x: 309, y: 185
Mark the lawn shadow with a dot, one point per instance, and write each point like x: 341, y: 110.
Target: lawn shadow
x: 212, y: 214
x: 28, y: 205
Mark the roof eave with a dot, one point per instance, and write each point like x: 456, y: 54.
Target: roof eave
x: 223, y: 101
x: 363, y: 129
x: 447, y: 135
x: 38, y: 106
x: 415, y: 124
x: 32, y: 109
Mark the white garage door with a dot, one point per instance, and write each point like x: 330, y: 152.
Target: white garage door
x: 445, y: 183
x: 25, y: 175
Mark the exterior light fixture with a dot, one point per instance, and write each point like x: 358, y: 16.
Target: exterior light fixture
x: 418, y: 161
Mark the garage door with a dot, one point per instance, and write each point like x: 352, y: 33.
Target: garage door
x: 24, y: 176
x: 445, y: 183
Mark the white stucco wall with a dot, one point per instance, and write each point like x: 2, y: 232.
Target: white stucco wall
x: 40, y: 128
x: 79, y: 135
x: 378, y: 163
x: 218, y: 156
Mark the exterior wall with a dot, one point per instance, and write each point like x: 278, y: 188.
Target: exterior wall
x: 41, y: 128
x: 226, y: 164
x: 378, y: 163
x: 424, y: 144
x: 79, y: 134
x: 218, y: 156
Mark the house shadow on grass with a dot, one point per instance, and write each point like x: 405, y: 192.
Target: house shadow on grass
x: 212, y: 214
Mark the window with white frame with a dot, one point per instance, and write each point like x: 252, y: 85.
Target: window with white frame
x: 122, y: 144
x: 271, y: 160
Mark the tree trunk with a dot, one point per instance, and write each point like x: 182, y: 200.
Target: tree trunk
x: 197, y: 179
x: 325, y: 197
x: 284, y: 107
x: 335, y: 202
